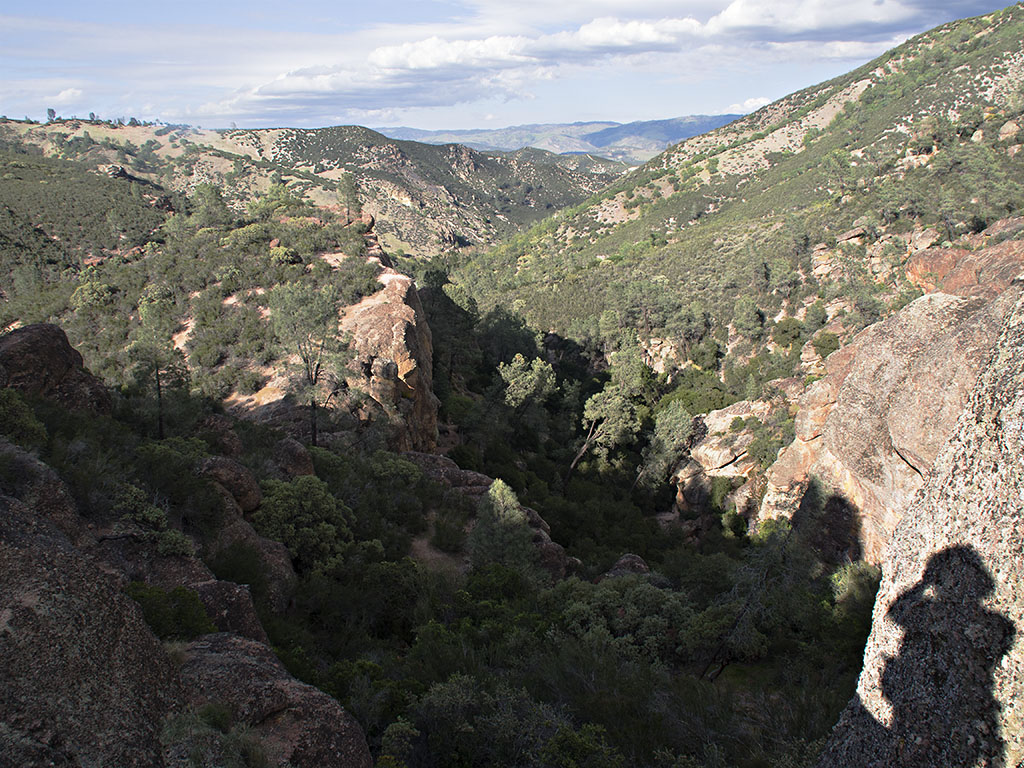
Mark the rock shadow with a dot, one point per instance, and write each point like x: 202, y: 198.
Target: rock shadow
x: 940, y: 684
x: 829, y: 524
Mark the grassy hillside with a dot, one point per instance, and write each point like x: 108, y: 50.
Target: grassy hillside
x: 427, y: 198
x: 921, y: 137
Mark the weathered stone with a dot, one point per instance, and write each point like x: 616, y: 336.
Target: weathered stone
x: 986, y: 273
x: 82, y: 679
x: 275, y: 562
x: 628, y: 565
x: 721, y: 452
x: 872, y: 427
x: 296, y: 724
x: 444, y: 470
x: 943, y: 676
x: 38, y: 360
x: 222, y: 434
x: 290, y: 459
x: 235, y: 478
x: 230, y: 607
x: 40, y: 488
x: 394, y: 352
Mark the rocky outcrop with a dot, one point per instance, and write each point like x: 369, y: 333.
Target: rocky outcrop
x: 443, y: 470
x: 234, y: 478
x: 237, y: 537
x: 296, y: 724
x: 231, y: 609
x: 38, y: 360
x: 289, y: 460
x: 872, y: 427
x: 475, y: 485
x: 721, y: 452
x: 628, y: 565
x: 82, y: 679
x: 987, y: 272
x: 394, y: 359
x: 943, y: 676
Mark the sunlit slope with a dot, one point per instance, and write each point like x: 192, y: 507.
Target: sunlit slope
x: 922, y: 136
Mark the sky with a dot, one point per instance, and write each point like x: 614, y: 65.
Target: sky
x: 437, y: 64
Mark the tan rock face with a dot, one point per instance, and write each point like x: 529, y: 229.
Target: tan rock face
x: 394, y: 353
x: 987, y: 272
x: 722, y: 452
x: 943, y: 676
x: 872, y: 427
x: 38, y: 360
x: 296, y: 724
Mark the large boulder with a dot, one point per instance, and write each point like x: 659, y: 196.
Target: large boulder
x: 82, y: 679
x: 720, y: 450
x: 235, y: 478
x: 872, y: 427
x: 296, y: 724
x: 986, y: 272
x: 943, y: 676
x: 38, y: 360
x: 394, y: 358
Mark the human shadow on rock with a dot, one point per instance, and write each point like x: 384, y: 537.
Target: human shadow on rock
x: 940, y: 684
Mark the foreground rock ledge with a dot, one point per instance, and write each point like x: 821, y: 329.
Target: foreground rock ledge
x: 943, y: 676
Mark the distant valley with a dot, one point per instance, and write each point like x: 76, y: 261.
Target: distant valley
x: 633, y: 143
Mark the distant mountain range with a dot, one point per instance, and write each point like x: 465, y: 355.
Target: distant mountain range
x: 635, y: 142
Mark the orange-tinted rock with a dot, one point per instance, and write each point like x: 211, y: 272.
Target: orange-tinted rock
x: 872, y: 427
x: 987, y: 272
x: 943, y: 676
x: 394, y: 352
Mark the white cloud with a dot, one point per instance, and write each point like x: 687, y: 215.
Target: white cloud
x: 480, y: 52
x: 749, y: 105
x: 67, y: 96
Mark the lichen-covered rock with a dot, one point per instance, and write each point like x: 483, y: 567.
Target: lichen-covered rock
x: 40, y: 488
x: 38, y: 360
x: 872, y: 427
x: 230, y: 607
x: 290, y: 459
x: 235, y: 478
x: 394, y: 357
x: 628, y: 565
x: 296, y: 724
x: 82, y: 679
x: 943, y: 676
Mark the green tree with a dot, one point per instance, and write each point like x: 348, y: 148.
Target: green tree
x: 747, y: 319
x: 502, y: 533
x: 304, y: 516
x: 348, y: 197
x: 305, y: 321
x: 527, y: 383
x: 673, y: 427
x: 609, y: 419
x: 151, y: 349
